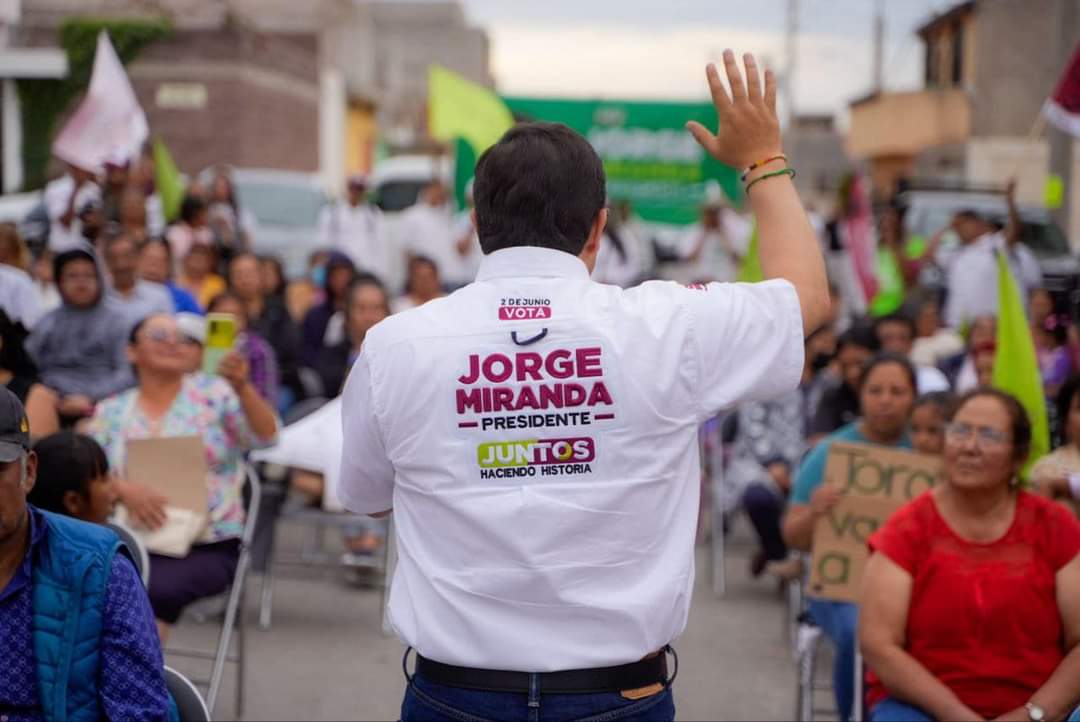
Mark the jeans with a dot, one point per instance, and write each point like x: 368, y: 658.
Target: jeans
x: 765, y: 507
x: 838, y: 621
x: 426, y: 701
x: 890, y: 710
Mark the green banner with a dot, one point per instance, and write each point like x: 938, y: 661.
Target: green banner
x: 649, y: 157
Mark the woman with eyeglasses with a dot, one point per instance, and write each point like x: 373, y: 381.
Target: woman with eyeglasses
x: 886, y: 398
x: 969, y: 605
x: 230, y: 416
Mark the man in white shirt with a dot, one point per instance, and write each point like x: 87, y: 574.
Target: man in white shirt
x: 466, y: 242
x: 428, y: 229
x: 713, y: 248
x: 64, y: 199
x: 355, y: 227
x: 972, y: 269
x: 535, y: 432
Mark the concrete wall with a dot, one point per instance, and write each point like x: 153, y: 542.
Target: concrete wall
x: 994, y: 160
x: 1017, y: 61
x: 905, y: 123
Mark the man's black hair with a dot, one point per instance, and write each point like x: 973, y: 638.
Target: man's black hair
x: 66, y: 462
x: 541, y: 185
x: 61, y: 260
x: 896, y: 318
x: 859, y: 335
x: 191, y: 207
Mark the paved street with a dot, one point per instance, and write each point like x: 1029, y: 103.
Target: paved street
x: 325, y: 658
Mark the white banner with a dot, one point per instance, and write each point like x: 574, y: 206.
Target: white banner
x: 109, y: 123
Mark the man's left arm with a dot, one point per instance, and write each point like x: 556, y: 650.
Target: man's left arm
x: 131, y: 678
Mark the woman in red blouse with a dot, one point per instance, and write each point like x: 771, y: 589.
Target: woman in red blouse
x: 971, y: 598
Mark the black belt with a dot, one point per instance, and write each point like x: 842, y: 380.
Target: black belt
x: 649, y: 671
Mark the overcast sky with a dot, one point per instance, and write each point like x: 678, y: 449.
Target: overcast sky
x: 656, y: 49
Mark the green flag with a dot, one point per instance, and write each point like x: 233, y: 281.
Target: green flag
x: 750, y: 266
x: 1016, y: 369
x: 167, y: 180
x: 459, y: 108
x: 890, y: 292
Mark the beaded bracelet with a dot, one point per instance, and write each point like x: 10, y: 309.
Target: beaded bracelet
x: 754, y: 166
x: 785, y: 171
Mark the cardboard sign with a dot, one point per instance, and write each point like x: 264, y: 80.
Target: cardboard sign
x: 876, y: 482
x: 175, y: 467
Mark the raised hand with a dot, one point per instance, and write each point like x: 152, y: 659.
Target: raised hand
x: 749, y: 129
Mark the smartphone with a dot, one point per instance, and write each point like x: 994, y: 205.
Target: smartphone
x: 220, y: 338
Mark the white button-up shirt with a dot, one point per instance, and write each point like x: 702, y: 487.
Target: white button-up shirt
x: 358, y: 232
x: 972, y: 278
x: 536, y: 436
x: 432, y: 231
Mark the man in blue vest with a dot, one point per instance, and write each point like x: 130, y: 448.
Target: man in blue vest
x: 77, y: 634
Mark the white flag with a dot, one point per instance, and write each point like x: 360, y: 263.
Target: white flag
x: 109, y: 123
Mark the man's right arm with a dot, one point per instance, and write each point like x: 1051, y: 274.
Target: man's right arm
x: 749, y: 133
x: 367, y: 476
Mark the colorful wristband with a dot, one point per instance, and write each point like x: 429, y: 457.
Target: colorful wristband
x: 774, y: 174
x: 754, y: 166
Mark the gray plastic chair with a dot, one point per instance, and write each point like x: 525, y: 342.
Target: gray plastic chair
x: 138, y: 551
x: 234, y: 608
x: 189, y: 702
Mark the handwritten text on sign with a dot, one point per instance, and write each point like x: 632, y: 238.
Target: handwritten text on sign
x: 876, y: 481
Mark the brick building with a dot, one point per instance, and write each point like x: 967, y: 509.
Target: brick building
x: 280, y: 84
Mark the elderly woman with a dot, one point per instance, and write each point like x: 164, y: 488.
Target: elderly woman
x: 229, y: 415
x: 886, y: 398
x: 969, y: 600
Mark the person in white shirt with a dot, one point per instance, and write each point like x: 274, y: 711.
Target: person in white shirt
x: 971, y: 270
x: 18, y: 297
x: 355, y: 227
x: 64, y: 199
x: 621, y: 258
x: 896, y: 334
x: 535, y: 433
x: 466, y: 242
x: 713, y: 248
x: 428, y: 229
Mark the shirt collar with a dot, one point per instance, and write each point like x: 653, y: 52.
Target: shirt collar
x: 531, y: 262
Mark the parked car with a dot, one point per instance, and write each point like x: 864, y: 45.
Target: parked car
x: 397, y: 181
x: 930, y: 210
x: 286, y: 207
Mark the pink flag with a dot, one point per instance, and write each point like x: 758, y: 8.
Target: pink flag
x: 858, y: 230
x: 109, y: 123
x: 1063, y: 107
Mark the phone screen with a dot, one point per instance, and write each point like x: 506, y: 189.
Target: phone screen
x: 220, y: 338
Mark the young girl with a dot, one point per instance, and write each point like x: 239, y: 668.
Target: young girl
x: 73, y: 478
x: 928, y: 420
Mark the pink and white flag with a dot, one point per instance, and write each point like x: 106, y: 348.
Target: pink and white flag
x: 1063, y: 107
x: 109, y: 122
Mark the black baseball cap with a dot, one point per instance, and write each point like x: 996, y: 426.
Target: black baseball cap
x: 14, y: 428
